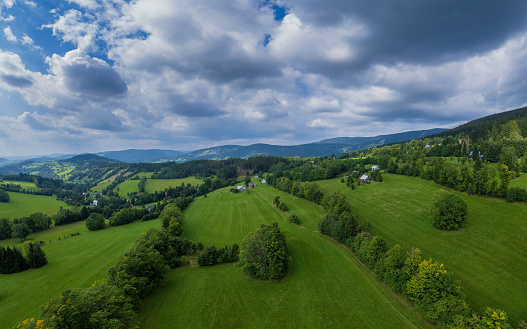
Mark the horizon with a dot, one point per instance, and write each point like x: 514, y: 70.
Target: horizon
x: 86, y: 76
x: 29, y: 156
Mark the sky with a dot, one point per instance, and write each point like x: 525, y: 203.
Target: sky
x: 98, y: 75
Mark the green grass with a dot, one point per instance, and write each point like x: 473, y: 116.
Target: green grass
x: 326, y: 288
x: 22, y: 205
x: 51, y: 234
x: 153, y: 185
x: 520, y: 182
x: 128, y: 186
x: 100, y: 187
x: 75, y: 262
x: 24, y: 185
x: 488, y: 256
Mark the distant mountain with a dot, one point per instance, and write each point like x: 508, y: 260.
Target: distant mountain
x: 480, y: 127
x: 135, y: 156
x: 335, y: 146
x: 87, y: 158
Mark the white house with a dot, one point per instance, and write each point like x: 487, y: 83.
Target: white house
x: 94, y: 203
x: 374, y: 168
x: 241, y: 188
x: 365, y: 178
x: 264, y: 181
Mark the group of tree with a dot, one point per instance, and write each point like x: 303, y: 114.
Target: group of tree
x: 212, y: 256
x: 280, y: 204
x: 264, y: 254
x: 4, y: 196
x: 12, y: 260
x: 113, y: 302
x: 20, y: 228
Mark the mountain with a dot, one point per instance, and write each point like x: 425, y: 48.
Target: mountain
x: 480, y: 127
x: 87, y: 158
x: 335, y: 146
x: 135, y: 156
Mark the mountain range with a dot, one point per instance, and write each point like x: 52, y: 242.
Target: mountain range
x: 333, y: 146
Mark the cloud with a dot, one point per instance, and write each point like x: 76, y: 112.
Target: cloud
x: 87, y: 76
x: 16, y: 81
x: 9, y: 34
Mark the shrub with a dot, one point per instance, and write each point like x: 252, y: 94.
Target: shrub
x: 95, y: 222
x: 448, y: 211
x: 293, y: 218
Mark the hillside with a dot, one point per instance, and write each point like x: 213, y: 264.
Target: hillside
x: 480, y: 127
x: 326, y: 288
x: 325, y: 147
x: 87, y: 158
x: 135, y: 156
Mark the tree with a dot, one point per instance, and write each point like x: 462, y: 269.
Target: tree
x: 138, y: 271
x: 95, y: 222
x: 448, y: 211
x: 97, y: 307
x: 20, y: 231
x: 31, y: 324
x: 4, y: 196
x: 209, y: 257
x: 505, y: 176
x: 36, y: 257
x: 247, y: 180
x: 264, y: 254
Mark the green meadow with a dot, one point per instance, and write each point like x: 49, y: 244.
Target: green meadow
x: 326, y: 287
x: 22, y: 205
x: 24, y: 185
x: 51, y: 234
x: 100, y: 187
x: 488, y: 256
x: 153, y: 185
x: 128, y: 186
x: 75, y: 262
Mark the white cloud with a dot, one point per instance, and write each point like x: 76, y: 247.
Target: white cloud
x: 9, y: 34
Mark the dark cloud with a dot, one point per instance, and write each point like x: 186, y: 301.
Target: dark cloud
x: 185, y: 108
x: 101, y: 120
x: 37, y: 122
x: 98, y: 81
x: 16, y: 81
x: 418, y: 32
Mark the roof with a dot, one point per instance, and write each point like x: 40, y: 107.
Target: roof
x: 240, y: 187
x: 364, y: 177
x: 375, y: 167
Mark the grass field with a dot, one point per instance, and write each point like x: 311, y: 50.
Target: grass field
x: 75, y: 262
x: 326, y: 288
x: 22, y: 205
x: 24, y: 185
x: 128, y: 186
x: 100, y: 187
x: 51, y: 234
x: 153, y: 185
x: 488, y: 256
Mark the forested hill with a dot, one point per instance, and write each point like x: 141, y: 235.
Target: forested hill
x: 135, y: 156
x: 483, y: 127
x: 84, y: 159
x: 327, y: 147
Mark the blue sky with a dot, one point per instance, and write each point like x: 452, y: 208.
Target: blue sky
x: 95, y: 75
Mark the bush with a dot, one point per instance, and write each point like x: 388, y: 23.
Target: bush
x: 95, y: 222
x: 264, y: 254
x: 4, y: 196
x: 293, y: 218
x: 448, y: 211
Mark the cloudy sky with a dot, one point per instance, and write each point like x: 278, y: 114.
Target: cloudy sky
x: 96, y: 75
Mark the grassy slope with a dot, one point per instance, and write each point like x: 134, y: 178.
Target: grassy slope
x: 51, y: 234
x: 26, y: 204
x: 24, y: 185
x: 153, y: 185
x: 100, y: 187
x: 74, y: 262
x: 326, y: 288
x: 128, y: 186
x: 488, y: 256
